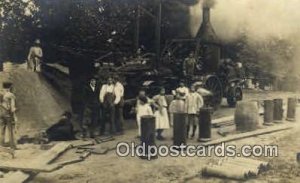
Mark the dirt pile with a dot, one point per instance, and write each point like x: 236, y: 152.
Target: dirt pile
x: 39, y: 104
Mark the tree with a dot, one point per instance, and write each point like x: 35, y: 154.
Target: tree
x: 18, y: 25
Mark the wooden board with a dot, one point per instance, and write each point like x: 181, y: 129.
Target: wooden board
x: 50, y: 155
x: 82, y: 143
x: 249, y: 134
x: 41, y: 162
x: 15, y: 177
x: 222, y: 121
x: 28, y: 167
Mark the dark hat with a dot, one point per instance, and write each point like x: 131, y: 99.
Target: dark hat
x: 7, y: 85
x: 143, y: 99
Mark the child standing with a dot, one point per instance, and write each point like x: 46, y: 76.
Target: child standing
x: 194, y: 102
x: 143, y: 108
x: 177, y: 105
x: 161, y: 113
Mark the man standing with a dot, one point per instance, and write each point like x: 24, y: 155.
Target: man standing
x: 7, y: 115
x: 92, y: 108
x: 119, y: 103
x: 189, y: 66
x: 35, y: 56
x: 108, y: 99
x: 194, y: 102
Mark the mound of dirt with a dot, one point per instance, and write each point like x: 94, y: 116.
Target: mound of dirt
x: 39, y: 104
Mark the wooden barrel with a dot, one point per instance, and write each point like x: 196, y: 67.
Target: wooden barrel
x: 7, y: 67
x: 246, y: 116
x: 179, y: 129
x: 268, y: 112
x: 278, y: 110
x: 205, y: 124
x: 291, y: 111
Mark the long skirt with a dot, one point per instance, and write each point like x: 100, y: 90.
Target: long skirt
x: 162, y: 119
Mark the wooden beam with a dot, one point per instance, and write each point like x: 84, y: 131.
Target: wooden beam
x: 26, y: 167
x: 222, y: 119
x: 15, y: 177
x: 50, y: 155
x: 249, y: 134
x: 40, y: 163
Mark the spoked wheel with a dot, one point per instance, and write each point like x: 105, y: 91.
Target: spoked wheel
x: 213, y: 84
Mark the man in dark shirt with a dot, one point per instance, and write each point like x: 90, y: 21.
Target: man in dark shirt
x: 92, y: 108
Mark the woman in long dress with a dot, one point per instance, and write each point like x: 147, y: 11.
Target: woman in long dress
x: 161, y: 113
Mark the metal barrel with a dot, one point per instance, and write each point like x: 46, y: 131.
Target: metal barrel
x: 148, y: 136
x: 148, y: 130
x: 179, y: 129
x: 291, y: 111
x: 278, y: 110
x: 268, y: 112
x: 205, y: 124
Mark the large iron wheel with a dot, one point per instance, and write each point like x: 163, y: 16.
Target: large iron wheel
x: 213, y: 84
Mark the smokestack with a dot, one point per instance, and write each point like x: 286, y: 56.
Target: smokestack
x: 206, y: 15
x: 208, y: 42
x: 206, y: 32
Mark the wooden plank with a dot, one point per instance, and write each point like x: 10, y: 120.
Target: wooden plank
x: 82, y: 143
x: 222, y: 119
x: 248, y: 134
x: 15, y: 177
x: 32, y: 167
x: 68, y: 162
x: 228, y: 120
x: 50, y: 155
x: 39, y: 164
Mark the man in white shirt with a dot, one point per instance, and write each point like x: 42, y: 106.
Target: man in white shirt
x: 108, y: 99
x: 119, y: 103
x: 35, y: 56
x: 194, y: 102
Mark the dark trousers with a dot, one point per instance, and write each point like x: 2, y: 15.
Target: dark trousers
x: 7, y: 123
x: 91, y: 118
x: 119, y: 121
x: 108, y: 118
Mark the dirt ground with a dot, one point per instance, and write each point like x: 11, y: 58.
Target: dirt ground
x: 111, y: 168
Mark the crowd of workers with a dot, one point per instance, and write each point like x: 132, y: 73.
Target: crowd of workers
x: 102, y: 113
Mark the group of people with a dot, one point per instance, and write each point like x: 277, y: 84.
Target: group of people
x: 103, y: 107
x: 186, y: 100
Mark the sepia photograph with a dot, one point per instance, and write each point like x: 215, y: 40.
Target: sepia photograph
x: 149, y: 91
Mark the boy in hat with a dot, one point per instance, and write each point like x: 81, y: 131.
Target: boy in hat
x: 7, y: 114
